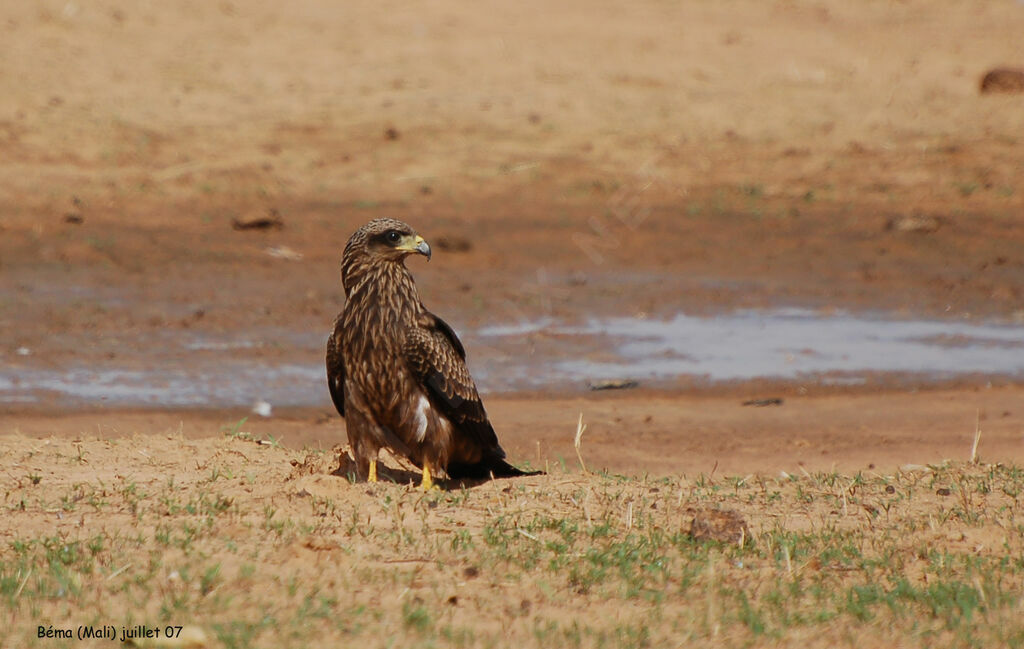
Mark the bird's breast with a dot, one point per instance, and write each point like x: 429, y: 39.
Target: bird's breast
x: 372, y: 342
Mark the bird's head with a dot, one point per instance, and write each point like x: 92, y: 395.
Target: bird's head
x: 387, y: 240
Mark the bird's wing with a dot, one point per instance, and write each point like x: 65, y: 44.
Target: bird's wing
x: 449, y: 333
x: 437, y: 359
x: 336, y: 368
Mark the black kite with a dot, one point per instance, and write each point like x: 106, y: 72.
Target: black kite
x: 397, y: 372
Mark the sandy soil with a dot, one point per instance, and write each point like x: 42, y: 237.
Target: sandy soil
x: 258, y: 545
x: 652, y: 433
x: 564, y: 160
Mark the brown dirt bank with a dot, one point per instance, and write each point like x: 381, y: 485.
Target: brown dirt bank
x: 694, y: 158
x: 657, y: 434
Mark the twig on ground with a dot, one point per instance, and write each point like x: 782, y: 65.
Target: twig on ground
x: 580, y: 427
x: 21, y: 586
x: 977, y: 437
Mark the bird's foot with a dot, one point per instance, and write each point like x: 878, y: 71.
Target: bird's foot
x: 426, y: 484
x: 372, y: 477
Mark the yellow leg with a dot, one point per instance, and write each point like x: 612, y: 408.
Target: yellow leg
x: 373, y: 472
x: 426, y: 484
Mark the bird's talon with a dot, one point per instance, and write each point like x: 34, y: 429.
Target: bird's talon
x: 426, y: 484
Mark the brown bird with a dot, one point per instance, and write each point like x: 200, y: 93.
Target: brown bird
x: 397, y: 372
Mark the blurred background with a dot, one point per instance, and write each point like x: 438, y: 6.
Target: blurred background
x: 678, y: 194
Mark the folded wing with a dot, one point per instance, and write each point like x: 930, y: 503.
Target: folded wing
x: 336, y: 368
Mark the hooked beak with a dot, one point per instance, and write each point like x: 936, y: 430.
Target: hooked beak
x: 422, y: 247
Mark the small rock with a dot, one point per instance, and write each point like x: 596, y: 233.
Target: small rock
x: 612, y: 384
x: 391, y: 133
x: 913, y: 223
x: 723, y: 525
x: 283, y: 252
x: 74, y: 219
x: 454, y: 243
x: 1002, y: 80
x: 761, y: 403
x: 272, y: 221
x: 321, y: 544
x: 262, y: 408
x: 23, y: 351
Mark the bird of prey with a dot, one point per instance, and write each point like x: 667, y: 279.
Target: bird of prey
x: 397, y: 373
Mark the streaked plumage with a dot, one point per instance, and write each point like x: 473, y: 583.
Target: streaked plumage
x: 397, y: 372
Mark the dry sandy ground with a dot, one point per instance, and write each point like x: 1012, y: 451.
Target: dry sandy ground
x: 255, y: 545
x: 652, y: 433
x: 575, y: 159
x: 660, y: 157
x: 571, y: 160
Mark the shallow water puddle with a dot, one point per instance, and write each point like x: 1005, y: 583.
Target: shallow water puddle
x: 786, y: 344
x: 227, y: 383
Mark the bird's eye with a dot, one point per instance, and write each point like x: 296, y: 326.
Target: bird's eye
x: 393, y: 236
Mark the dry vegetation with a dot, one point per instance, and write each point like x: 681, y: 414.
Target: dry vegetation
x: 254, y: 544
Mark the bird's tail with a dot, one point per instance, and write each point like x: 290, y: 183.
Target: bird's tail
x: 485, y: 469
